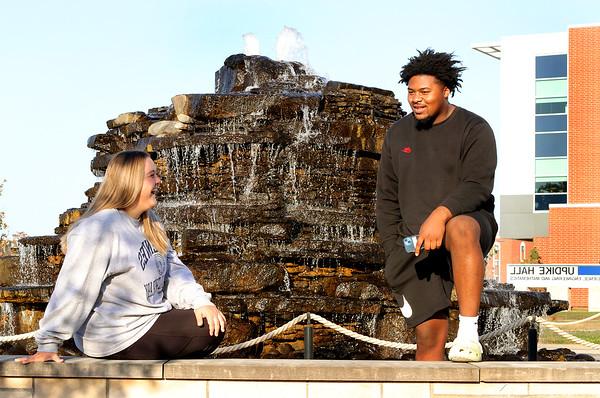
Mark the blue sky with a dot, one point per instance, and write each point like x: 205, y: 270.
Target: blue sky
x: 68, y: 66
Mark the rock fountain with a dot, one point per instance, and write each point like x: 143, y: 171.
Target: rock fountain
x: 268, y: 195
x: 26, y: 283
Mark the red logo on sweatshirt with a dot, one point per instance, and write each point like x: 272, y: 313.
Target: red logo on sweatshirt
x: 407, y: 149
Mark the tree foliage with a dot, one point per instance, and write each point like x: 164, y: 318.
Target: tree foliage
x: 3, y: 226
x: 534, y: 257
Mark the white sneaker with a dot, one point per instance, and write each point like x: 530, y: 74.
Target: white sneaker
x: 465, y: 351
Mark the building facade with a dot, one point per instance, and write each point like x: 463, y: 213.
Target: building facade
x: 548, y: 177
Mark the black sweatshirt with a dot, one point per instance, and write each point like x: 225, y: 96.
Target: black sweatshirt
x: 450, y: 164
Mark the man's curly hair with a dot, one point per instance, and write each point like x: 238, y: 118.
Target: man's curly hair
x: 441, y: 65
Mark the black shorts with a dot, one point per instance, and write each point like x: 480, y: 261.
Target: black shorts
x: 423, y: 285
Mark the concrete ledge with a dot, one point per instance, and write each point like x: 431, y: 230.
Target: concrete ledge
x: 216, y: 378
x: 319, y: 370
x: 78, y: 367
x: 552, y: 372
x: 308, y: 370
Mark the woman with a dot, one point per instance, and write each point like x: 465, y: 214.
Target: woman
x: 122, y: 292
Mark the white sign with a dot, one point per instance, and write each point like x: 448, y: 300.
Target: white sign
x: 541, y: 275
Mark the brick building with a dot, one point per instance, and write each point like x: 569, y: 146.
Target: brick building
x: 549, y: 190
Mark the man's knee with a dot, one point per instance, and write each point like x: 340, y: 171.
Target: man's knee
x: 462, y: 230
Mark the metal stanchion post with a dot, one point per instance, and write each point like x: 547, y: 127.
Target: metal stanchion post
x: 308, y: 338
x: 532, y: 341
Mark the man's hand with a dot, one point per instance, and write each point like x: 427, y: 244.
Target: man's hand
x: 215, y: 318
x: 433, y: 229
x: 41, y: 356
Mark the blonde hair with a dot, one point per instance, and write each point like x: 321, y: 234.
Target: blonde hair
x: 120, y: 189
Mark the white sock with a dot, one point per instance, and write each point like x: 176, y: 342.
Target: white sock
x: 467, y: 328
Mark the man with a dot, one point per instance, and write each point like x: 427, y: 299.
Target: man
x: 435, y: 180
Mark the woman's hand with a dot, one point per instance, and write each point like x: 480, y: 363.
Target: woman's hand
x: 41, y: 356
x: 215, y: 318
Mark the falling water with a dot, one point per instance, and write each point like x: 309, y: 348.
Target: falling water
x: 175, y: 237
x: 369, y: 322
x: 510, y: 311
x: 31, y: 259
x: 231, y: 148
x: 292, y: 177
x: 287, y: 283
x: 254, y: 151
x: 7, y: 319
x: 302, y: 203
x: 184, y: 167
x: 291, y: 47
x: 353, y: 157
x: 27, y: 265
x: 345, y: 233
x: 251, y: 44
x: 307, y: 132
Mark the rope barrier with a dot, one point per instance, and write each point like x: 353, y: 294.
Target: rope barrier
x: 589, y: 318
x: 17, y: 337
x: 402, y: 346
x: 568, y: 336
x: 367, y: 339
x: 262, y: 338
x: 371, y: 340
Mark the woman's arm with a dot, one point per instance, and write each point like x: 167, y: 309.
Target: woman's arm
x: 182, y: 291
x: 76, y: 290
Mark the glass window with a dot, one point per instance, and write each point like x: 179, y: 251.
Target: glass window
x: 522, y: 251
x: 543, y: 201
x: 550, y: 105
x: 551, y: 66
x: 551, y: 123
x: 547, y: 145
x: 551, y: 167
x: 557, y: 186
x: 551, y: 88
x: 549, y: 179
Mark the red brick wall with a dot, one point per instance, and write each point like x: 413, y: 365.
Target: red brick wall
x: 573, y: 236
x: 509, y: 254
x: 578, y: 298
x: 584, y: 115
x: 574, y: 232
x: 541, y: 243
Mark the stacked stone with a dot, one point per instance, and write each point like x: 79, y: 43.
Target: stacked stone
x: 26, y: 282
x: 268, y: 193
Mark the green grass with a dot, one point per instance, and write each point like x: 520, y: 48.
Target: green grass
x: 566, y: 316
x: 549, y: 337
x: 589, y: 331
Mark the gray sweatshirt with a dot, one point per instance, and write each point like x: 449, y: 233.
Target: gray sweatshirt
x: 112, y: 287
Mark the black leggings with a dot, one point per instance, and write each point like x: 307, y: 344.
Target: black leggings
x: 175, y: 334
